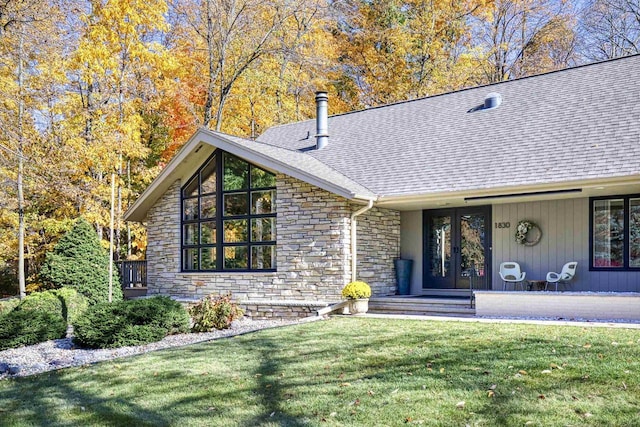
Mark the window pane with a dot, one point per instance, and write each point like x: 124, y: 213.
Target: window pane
x: 262, y: 202
x: 207, y: 233
x: 235, y: 230
x: 235, y: 258
x: 190, y: 234
x: 261, y: 178
x: 236, y: 173
x: 190, y: 209
x: 191, y: 189
x: 634, y: 232
x: 608, y: 233
x: 208, y: 177
x: 263, y: 257
x: 208, y: 206
x: 208, y: 258
x: 190, y: 259
x: 235, y: 204
x: 440, y: 246
x: 263, y: 229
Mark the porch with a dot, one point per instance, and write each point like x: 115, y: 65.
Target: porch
x: 133, y: 278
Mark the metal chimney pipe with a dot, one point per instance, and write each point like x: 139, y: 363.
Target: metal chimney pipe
x: 322, y: 118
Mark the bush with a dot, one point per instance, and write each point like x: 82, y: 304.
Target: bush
x: 214, y: 312
x: 8, y: 304
x: 78, y: 261
x: 73, y: 303
x: 42, y: 301
x: 26, y: 327
x: 356, y: 290
x: 133, y: 322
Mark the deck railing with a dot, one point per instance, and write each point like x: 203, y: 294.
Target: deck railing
x: 133, y: 274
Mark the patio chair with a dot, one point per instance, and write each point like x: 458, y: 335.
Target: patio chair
x: 510, y: 273
x: 564, y: 277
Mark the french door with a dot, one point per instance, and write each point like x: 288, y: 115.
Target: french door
x: 457, y: 248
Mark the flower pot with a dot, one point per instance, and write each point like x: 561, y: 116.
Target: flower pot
x: 359, y: 306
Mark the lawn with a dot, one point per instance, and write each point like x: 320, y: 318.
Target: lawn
x: 353, y: 371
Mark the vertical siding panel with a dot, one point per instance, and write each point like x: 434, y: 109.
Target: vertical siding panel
x: 539, y: 248
x: 552, y: 237
x: 496, y: 244
x: 581, y: 255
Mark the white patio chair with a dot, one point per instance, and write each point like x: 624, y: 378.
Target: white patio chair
x: 564, y: 277
x: 510, y: 273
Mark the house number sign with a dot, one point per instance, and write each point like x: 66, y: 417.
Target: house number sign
x: 503, y: 225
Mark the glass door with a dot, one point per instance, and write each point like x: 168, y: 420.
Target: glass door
x: 456, y: 248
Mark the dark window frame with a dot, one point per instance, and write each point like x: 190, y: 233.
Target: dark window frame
x: 220, y: 218
x: 626, y: 248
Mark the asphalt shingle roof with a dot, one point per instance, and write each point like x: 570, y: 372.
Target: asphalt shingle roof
x: 576, y: 124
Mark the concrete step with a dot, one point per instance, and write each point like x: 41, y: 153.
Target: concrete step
x: 421, y: 306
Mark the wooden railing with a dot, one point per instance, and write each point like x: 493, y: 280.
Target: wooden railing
x: 133, y: 274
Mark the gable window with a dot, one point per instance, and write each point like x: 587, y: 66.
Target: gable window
x: 229, y: 217
x: 615, y: 233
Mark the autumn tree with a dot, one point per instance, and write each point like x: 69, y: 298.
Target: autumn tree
x: 394, y: 50
x: 515, y: 38
x: 113, y: 73
x: 28, y: 33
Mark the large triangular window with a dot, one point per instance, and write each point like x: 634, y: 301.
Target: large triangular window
x: 229, y: 217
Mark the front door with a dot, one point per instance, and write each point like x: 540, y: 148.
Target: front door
x: 457, y: 248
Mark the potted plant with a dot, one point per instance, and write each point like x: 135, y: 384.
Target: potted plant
x: 358, y: 294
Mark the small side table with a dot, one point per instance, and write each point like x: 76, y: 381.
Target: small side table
x: 537, y: 285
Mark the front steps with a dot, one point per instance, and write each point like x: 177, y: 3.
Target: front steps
x: 421, y: 306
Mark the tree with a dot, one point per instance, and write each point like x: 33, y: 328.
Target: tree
x: 393, y: 50
x: 611, y: 28
x: 221, y: 41
x: 79, y: 261
x: 516, y: 38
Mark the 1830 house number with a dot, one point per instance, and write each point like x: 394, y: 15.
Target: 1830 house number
x: 503, y: 225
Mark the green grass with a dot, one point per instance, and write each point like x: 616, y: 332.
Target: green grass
x: 353, y: 371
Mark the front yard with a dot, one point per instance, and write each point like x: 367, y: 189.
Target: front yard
x: 353, y: 371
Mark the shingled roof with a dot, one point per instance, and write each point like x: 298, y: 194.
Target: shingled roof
x: 553, y: 131
x: 566, y: 126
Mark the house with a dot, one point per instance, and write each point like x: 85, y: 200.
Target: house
x: 287, y: 220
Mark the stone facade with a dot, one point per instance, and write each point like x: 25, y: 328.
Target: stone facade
x: 313, y: 250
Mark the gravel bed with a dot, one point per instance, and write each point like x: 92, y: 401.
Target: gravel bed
x: 57, y: 354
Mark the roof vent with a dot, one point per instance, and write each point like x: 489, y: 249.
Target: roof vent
x: 493, y: 100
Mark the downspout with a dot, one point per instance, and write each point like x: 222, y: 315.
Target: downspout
x: 354, y: 249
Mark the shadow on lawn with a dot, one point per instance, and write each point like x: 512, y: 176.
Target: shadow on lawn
x: 46, y: 401
x: 272, y: 386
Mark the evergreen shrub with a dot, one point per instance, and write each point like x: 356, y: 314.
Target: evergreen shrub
x: 8, y: 304
x: 131, y: 322
x: 78, y: 261
x: 27, y: 327
x: 214, y: 312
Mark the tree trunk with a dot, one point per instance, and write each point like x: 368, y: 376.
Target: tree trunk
x: 21, y: 226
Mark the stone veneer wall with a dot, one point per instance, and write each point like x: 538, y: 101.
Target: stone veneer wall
x: 313, y: 249
x: 378, y: 242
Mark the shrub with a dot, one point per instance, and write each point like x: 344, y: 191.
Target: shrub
x: 214, y: 312
x: 26, y: 327
x: 73, y: 303
x: 133, y: 322
x: 42, y: 301
x: 356, y: 290
x: 78, y: 261
x: 8, y: 304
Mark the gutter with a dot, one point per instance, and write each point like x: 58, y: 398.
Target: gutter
x: 354, y: 248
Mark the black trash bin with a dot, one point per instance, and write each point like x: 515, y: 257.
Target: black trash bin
x: 403, y: 275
